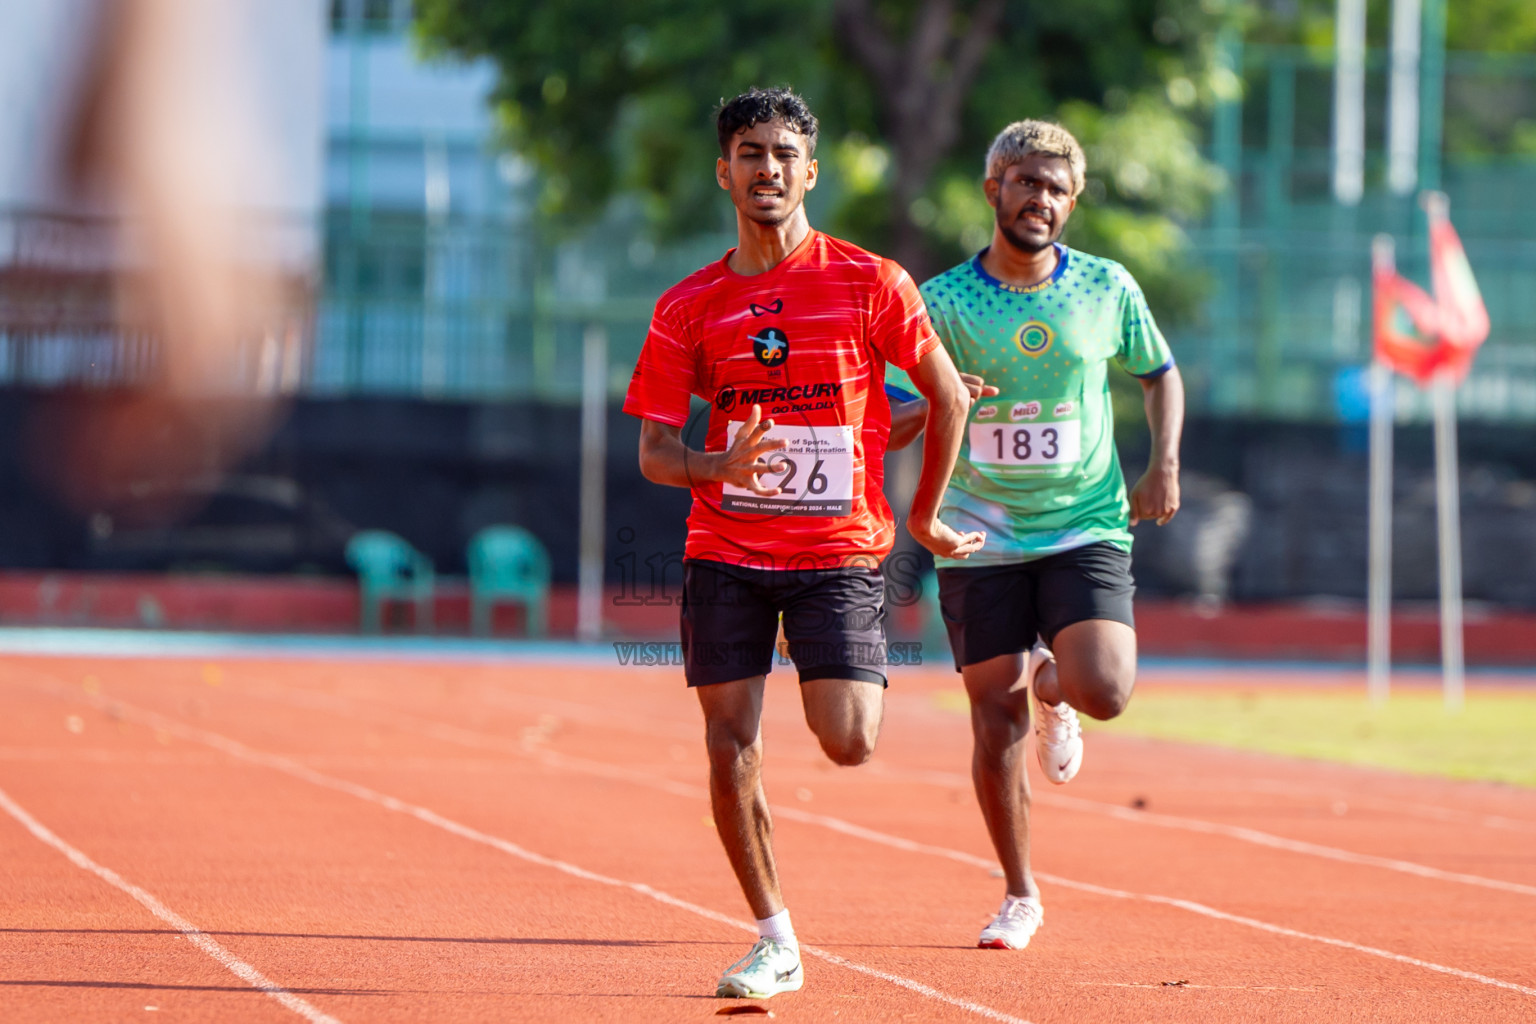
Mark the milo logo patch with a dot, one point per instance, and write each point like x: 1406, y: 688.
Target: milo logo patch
x: 986, y: 412
x: 1065, y: 408
x: 1024, y: 411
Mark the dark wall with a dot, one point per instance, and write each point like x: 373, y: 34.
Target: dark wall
x: 1308, y: 493
x: 433, y: 472
x: 437, y: 472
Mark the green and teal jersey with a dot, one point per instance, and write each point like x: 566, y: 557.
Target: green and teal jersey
x: 1038, y: 469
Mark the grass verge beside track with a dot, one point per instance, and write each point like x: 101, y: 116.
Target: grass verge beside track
x: 1489, y: 740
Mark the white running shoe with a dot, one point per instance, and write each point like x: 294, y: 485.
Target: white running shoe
x: 1058, y: 736
x: 769, y: 968
x: 1014, y: 924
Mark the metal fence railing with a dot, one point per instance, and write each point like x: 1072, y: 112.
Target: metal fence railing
x: 486, y: 311
x: 1285, y: 332
x: 493, y: 309
x: 72, y: 310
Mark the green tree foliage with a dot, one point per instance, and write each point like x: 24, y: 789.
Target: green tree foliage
x: 618, y: 98
x: 612, y: 97
x: 1483, y: 26
x: 1500, y: 26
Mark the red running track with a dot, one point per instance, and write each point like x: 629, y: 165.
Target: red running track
x: 357, y: 841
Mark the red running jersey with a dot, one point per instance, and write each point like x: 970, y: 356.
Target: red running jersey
x: 808, y: 341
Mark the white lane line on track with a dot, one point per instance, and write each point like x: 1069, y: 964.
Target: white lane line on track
x: 242, y: 970
x: 1403, y: 807
x: 662, y: 729
x: 788, y: 813
x: 650, y: 726
x: 1275, y: 929
x: 936, y: 777
x: 1258, y: 838
x: 620, y: 773
x: 1238, y: 832
x: 472, y: 738
x: 298, y: 770
x: 850, y: 829
x: 634, y: 722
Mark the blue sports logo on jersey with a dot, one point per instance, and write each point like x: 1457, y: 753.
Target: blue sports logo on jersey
x: 770, y: 346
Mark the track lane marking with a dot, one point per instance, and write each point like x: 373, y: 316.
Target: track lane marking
x: 789, y: 813
x: 660, y: 728
x: 900, y: 843
x: 663, y: 729
x: 939, y: 777
x: 1221, y: 915
x: 621, y: 773
x: 1238, y: 832
x: 1393, y: 806
x: 1269, y: 839
x: 469, y: 737
x: 193, y: 934
x: 299, y: 770
x: 605, y: 770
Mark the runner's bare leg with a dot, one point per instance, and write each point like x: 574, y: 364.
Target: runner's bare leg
x: 1095, y: 668
x: 733, y: 735
x: 1095, y: 672
x: 845, y: 715
x: 1000, y: 728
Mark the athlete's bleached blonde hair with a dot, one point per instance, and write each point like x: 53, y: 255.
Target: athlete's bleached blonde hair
x: 1022, y: 138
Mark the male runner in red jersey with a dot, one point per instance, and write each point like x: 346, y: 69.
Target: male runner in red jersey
x: 787, y: 337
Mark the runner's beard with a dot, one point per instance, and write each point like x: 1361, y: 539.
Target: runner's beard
x: 1024, y: 243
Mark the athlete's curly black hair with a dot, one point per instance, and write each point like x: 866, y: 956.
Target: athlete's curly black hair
x: 755, y: 106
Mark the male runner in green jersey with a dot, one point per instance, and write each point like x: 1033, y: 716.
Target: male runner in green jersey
x: 1042, y: 614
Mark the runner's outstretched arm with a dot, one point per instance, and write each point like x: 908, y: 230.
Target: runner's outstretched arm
x: 907, y: 418
x: 948, y: 405
x: 1156, y: 494
x: 664, y: 459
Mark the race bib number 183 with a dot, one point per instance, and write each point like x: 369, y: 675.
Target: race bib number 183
x: 1027, y: 438
x: 817, y: 480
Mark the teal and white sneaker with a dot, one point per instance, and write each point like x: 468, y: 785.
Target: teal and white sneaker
x: 770, y: 968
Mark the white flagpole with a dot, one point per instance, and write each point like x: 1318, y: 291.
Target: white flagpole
x: 594, y: 462
x: 1349, y: 103
x: 1379, y: 591
x: 1447, y: 509
x: 1448, y: 502
x: 1403, y: 98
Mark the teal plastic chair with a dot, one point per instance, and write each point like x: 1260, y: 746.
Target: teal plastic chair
x: 389, y: 569
x: 508, y: 564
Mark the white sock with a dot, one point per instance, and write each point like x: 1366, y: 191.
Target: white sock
x: 778, y: 929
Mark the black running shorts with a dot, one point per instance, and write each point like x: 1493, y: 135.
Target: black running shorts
x: 994, y: 610
x: 834, y: 620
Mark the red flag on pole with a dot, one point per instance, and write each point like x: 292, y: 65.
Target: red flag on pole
x: 1418, y: 336
x: 1463, y: 317
x: 1407, y: 320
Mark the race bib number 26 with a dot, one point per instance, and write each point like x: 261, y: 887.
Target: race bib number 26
x: 1026, y: 438
x: 818, y: 475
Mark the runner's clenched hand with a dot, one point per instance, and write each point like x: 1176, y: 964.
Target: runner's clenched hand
x: 748, y: 456
x: 944, y: 541
x: 978, y: 387
x: 1156, y: 495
